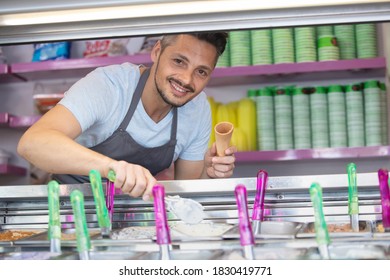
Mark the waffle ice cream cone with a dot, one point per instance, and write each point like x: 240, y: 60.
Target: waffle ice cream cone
x: 223, y: 135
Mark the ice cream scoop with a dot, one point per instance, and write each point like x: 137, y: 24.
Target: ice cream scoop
x: 185, y: 209
x: 223, y: 135
x: 258, y: 206
x: 54, y: 227
x: 383, y: 175
x: 322, y: 234
x: 353, y: 200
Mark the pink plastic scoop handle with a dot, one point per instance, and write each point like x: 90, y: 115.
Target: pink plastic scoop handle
x: 258, y: 207
x: 110, y: 192
x: 162, y: 230
x: 383, y: 175
x: 246, y: 233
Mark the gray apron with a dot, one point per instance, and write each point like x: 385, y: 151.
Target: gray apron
x: 121, y: 146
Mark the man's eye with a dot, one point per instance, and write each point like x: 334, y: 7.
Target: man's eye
x: 203, y: 73
x: 178, y: 61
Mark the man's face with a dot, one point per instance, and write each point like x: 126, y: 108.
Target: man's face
x: 183, y: 69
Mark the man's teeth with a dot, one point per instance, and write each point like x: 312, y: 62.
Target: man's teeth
x: 178, y: 88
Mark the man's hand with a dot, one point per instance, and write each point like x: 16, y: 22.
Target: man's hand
x: 219, y: 167
x: 133, y: 179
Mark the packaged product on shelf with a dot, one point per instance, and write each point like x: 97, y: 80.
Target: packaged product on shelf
x: 283, y: 119
x: 301, y: 117
x: 322, y: 30
x: 319, y: 118
x: 355, y: 115
x: 261, y: 47
x: 337, y: 117
x: 266, y: 139
x: 372, y: 112
x: 47, y: 95
x: 283, y: 45
x: 345, y: 35
x: 366, y: 40
x: 305, y: 44
x: 384, y: 114
x: 105, y: 47
x: 51, y: 51
x: 328, y: 48
x: 240, y: 48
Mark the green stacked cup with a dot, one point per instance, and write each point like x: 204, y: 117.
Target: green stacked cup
x: 305, y: 44
x: 345, y: 35
x: 301, y: 117
x: 327, y: 48
x: 240, y: 48
x: 261, y: 44
x: 224, y: 59
x: 337, y: 116
x: 366, y: 40
x: 265, y: 119
x: 384, y: 114
x: 355, y: 115
x: 319, y: 118
x: 283, y: 45
x: 252, y: 94
x: 372, y: 112
x: 283, y: 119
x: 324, y: 30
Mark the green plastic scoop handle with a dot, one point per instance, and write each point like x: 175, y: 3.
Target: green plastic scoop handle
x: 100, y: 202
x: 80, y: 220
x: 54, y: 210
x: 322, y: 234
x: 353, y: 200
x: 111, y: 175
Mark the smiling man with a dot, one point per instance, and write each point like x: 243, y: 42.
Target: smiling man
x: 135, y: 120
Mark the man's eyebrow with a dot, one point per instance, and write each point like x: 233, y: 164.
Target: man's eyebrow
x: 204, y: 67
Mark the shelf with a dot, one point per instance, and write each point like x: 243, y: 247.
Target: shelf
x: 77, y: 68
x: 8, y: 120
x: 309, y: 154
x: 7, y: 169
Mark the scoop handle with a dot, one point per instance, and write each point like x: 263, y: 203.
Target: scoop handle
x: 100, y: 203
x: 246, y: 233
x: 80, y: 220
x: 353, y: 203
x: 258, y: 207
x: 322, y: 234
x: 160, y: 213
x: 383, y: 175
x: 54, y: 230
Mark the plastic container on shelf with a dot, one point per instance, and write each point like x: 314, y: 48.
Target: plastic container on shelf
x: 384, y: 114
x: 305, y: 44
x: 265, y: 119
x: 372, y: 112
x: 366, y: 40
x: 346, y: 40
x: 355, y: 115
x: 46, y: 95
x: 283, y: 119
x: 301, y: 117
x: 328, y: 48
x: 283, y: 45
x: 319, y: 118
x: 261, y: 47
x: 240, y: 48
x: 337, y: 116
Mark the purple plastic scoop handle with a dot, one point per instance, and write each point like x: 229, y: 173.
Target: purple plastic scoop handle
x: 162, y: 230
x: 383, y: 175
x: 246, y: 233
x: 258, y: 207
x: 110, y: 192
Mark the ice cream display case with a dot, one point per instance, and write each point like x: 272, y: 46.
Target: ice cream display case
x: 292, y: 224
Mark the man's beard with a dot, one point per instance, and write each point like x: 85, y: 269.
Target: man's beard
x: 163, y: 95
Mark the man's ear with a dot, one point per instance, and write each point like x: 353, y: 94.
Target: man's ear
x: 156, y: 51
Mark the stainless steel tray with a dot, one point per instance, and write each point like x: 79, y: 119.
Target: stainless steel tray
x: 308, y: 230
x: 270, y: 230
x: 269, y: 253
x: 186, y: 255
x: 29, y: 255
x: 351, y: 252
x: 97, y: 255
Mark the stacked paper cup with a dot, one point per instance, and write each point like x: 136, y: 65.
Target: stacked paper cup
x: 366, y: 40
x: 337, y: 117
x: 345, y: 35
x: 301, y: 117
x: 283, y: 45
x: 319, y: 118
x: 327, y: 48
x: 372, y: 113
x: 283, y: 119
x: 324, y: 30
x: 384, y: 113
x: 355, y: 115
x: 261, y: 43
x: 224, y: 59
x: 240, y: 48
x: 305, y: 44
x: 265, y: 119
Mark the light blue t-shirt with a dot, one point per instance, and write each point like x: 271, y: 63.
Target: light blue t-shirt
x: 100, y: 101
